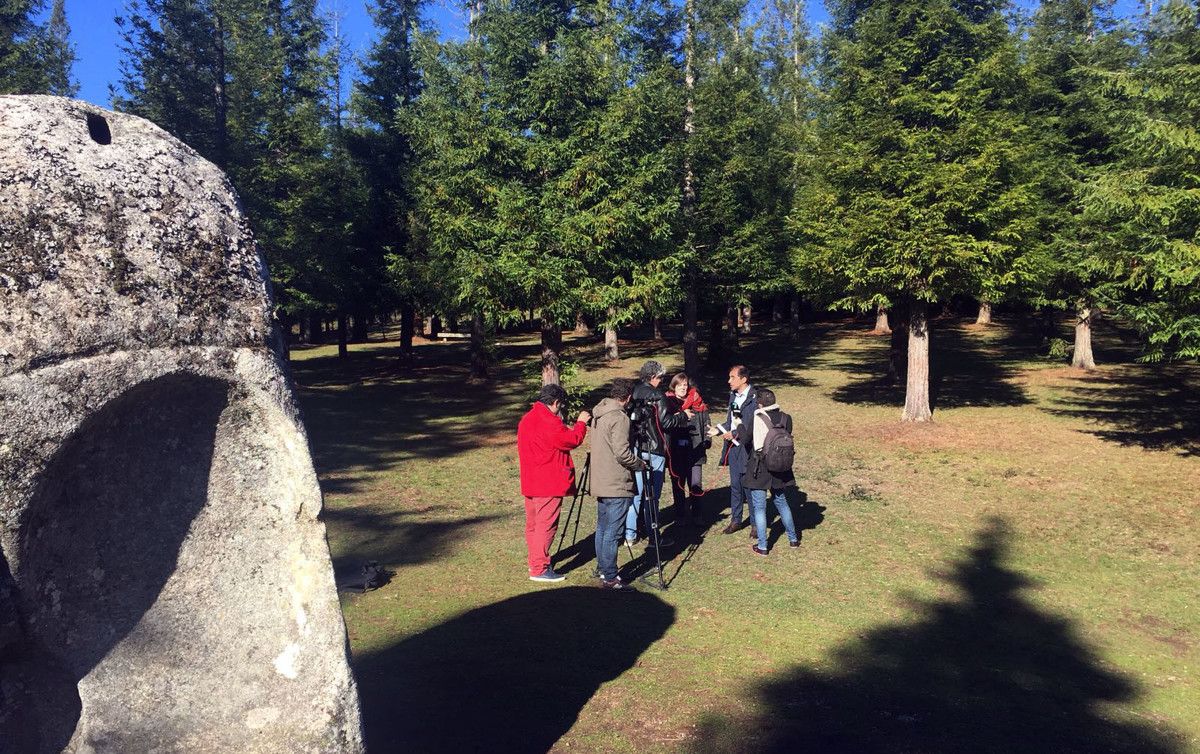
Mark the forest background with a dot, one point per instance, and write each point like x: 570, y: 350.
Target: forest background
x: 603, y: 163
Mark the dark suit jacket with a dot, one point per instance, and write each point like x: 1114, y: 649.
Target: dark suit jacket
x: 737, y: 455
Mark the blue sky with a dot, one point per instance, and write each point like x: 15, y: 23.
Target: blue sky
x: 97, y: 40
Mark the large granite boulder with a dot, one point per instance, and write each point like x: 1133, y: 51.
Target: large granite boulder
x: 165, y: 584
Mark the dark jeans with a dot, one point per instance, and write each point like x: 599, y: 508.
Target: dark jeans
x: 683, y: 477
x: 610, y: 526
x: 737, y: 496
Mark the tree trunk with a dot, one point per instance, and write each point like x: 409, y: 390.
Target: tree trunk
x: 342, y: 335
x: 220, y: 98
x: 916, y: 393
x: 747, y: 313
x: 361, y: 327
x: 897, y: 351
x: 691, y: 333
x: 1082, y: 358
x: 612, y: 350
x: 777, y: 307
x: 731, y: 317
x: 435, y: 327
x: 551, y: 348
x: 795, y: 313
x: 408, y: 316
x: 314, y: 328
x: 656, y: 324
x: 716, y: 338
x: 881, y: 321
x: 479, y: 358
x: 582, y: 328
x: 985, y: 313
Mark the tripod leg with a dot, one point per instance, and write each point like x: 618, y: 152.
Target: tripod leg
x: 567, y: 524
x: 650, y: 511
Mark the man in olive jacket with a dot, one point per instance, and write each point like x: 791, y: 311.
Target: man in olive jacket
x: 612, y: 481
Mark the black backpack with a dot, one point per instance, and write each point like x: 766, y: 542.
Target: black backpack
x: 778, y: 450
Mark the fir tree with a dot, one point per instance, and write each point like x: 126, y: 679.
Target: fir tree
x: 35, y: 58
x: 925, y: 159
x: 1071, y: 45
x: 1150, y: 196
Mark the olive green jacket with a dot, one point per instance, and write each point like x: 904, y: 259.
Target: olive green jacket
x: 613, y: 461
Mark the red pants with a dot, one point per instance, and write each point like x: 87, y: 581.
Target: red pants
x: 541, y: 522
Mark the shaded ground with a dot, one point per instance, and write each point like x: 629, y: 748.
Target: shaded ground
x: 986, y: 670
x: 506, y: 677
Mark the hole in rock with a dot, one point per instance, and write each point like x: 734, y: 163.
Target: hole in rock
x: 98, y: 129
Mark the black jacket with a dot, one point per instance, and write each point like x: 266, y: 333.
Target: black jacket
x: 690, y: 443
x: 656, y: 419
x: 756, y: 476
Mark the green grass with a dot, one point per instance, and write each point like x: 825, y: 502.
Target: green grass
x: 1019, y: 575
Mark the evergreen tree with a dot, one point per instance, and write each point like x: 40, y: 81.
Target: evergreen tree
x: 546, y: 168
x: 1151, y: 195
x: 383, y: 101
x: 1071, y: 45
x: 244, y: 83
x: 740, y: 170
x: 925, y: 159
x: 35, y: 58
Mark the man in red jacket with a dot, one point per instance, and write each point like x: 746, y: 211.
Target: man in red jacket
x: 544, y: 446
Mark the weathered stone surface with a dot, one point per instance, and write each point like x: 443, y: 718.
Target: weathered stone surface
x: 165, y: 584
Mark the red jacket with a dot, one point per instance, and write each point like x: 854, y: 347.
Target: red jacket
x: 543, y: 447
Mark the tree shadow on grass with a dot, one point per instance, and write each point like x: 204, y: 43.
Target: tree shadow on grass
x: 989, y: 672
x: 1149, y: 406
x: 395, y: 537
x: 367, y: 412
x: 508, y: 677
x: 966, y: 368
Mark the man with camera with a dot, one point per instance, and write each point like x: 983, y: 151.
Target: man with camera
x: 612, y: 472
x: 544, y: 446
x: 652, y: 419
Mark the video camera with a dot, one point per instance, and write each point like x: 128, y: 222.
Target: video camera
x: 641, y: 419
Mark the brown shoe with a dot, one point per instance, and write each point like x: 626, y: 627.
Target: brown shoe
x: 731, y: 527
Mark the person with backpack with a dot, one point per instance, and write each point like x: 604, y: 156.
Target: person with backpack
x: 769, y: 468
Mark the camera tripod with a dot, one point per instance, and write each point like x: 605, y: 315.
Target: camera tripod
x: 650, y: 516
x: 582, y: 490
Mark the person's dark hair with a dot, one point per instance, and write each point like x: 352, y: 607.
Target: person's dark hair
x: 678, y: 378
x: 741, y: 370
x: 766, y: 397
x: 551, y: 393
x: 621, y: 389
x: 650, y: 370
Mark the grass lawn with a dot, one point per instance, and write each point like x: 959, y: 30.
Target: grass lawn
x: 1023, y: 574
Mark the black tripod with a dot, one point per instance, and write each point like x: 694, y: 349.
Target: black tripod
x: 582, y: 490
x: 650, y: 515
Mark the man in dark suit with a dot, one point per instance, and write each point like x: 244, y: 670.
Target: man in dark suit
x: 736, y: 431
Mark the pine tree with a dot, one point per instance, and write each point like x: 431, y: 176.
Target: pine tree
x: 1150, y: 196
x: 925, y: 159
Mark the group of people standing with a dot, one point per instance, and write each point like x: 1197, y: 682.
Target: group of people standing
x: 642, y: 436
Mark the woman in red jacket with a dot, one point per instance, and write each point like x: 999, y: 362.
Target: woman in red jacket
x: 544, y: 446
